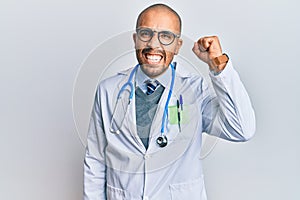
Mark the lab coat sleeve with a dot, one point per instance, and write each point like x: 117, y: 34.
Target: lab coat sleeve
x: 229, y: 115
x: 94, y: 162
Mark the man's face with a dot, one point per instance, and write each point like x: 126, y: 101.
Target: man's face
x: 153, y: 56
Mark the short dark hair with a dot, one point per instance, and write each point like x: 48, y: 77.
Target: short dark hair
x: 159, y: 5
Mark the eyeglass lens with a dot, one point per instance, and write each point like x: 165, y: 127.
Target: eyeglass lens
x: 164, y: 37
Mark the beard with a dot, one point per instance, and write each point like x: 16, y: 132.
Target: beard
x: 153, y: 62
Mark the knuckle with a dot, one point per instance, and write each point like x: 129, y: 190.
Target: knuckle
x: 215, y: 37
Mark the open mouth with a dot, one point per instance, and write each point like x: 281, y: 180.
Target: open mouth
x: 153, y: 58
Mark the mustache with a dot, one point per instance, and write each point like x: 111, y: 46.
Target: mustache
x: 151, y: 50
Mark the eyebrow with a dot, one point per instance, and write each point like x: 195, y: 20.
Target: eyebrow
x: 159, y: 30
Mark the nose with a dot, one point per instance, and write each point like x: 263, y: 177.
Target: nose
x: 154, y: 42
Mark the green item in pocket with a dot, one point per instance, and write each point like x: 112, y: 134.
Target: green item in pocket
x: 173, y: 117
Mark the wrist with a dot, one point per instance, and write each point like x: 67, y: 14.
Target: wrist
x: 218, y: 63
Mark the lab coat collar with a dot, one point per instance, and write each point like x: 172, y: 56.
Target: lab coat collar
x: 163, y: 79
x: 180, y: 73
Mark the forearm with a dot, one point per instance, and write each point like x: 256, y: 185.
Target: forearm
x: 234, y: 115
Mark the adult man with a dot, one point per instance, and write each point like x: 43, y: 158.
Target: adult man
x: 150, y: 148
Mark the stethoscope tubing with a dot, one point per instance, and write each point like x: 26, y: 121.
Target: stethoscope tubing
x: 129, y: 83
x: 162, y: 139
x: 167, y: 102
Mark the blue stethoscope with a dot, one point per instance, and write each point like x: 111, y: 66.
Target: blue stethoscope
x: 162, y: 140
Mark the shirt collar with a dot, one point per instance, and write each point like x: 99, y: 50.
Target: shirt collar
x: 163, y: 79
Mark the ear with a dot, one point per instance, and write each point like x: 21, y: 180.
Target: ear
x: 178, y: 46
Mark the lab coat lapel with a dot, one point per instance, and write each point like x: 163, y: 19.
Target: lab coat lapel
x: 155, y: 130
x: 128, y: 129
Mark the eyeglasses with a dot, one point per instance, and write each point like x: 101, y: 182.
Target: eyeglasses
x: 164, y: 37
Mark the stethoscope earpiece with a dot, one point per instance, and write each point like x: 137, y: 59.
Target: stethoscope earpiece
x: 162, y: 141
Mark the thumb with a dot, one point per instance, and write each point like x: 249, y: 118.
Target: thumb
x: 202, y: 55
x: 196, y: 48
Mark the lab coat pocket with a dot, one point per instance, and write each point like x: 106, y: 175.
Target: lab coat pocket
x: 192, y: 190
x: 114, y: 193
x: 173, y: 114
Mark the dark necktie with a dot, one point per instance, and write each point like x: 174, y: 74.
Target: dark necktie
x: 151, y: 86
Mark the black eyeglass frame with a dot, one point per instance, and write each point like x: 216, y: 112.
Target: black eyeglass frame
x: 158, y: 35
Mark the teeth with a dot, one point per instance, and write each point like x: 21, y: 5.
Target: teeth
x: 154, y: 58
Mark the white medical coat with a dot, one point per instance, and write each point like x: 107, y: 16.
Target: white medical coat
x: 118, y: 167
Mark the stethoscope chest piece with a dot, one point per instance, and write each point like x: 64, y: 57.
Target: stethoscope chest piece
x: 162, y: 141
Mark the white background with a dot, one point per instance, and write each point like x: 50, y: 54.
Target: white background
x: 42, y: 46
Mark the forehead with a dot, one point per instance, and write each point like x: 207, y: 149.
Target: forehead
x: 160, y: 19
